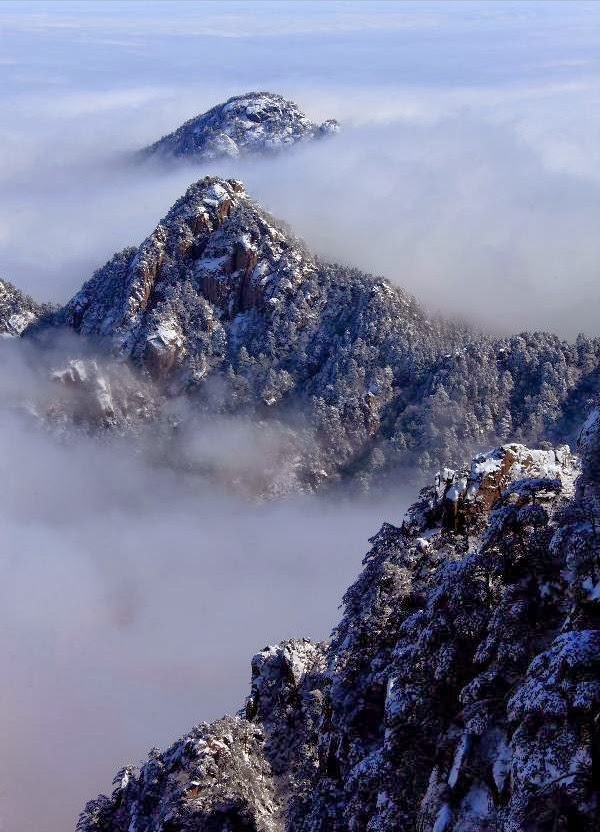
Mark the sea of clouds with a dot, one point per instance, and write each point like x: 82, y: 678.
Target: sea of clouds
x: 134, y: 596
x: 466, y: 171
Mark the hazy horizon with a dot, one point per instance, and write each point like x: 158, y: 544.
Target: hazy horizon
x: 467, y: 171
x: 463, y: 180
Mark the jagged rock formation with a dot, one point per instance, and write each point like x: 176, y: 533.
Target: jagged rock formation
x: 439, y: 650
x: 17, y: 310
x: 257, y: 122
x: 233, y: 774
x: 213, y: 258
x: 214, y: 778
x: 224, y: 304
x: 460, y: 691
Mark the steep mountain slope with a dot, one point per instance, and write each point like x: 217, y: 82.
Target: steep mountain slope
x: 256, y: 122
x: 17, y: 310
x: 460, y: 691
x: 224, y: 304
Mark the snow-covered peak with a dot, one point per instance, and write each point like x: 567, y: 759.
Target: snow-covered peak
x: 17, y: 310
x: 249, y: 123
x: 215, y: 256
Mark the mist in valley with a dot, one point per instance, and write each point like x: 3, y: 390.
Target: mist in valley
x: 134, y: 597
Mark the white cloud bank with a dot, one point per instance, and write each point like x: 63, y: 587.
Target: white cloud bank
x: 468, y: 172
x: 472, y: 181
x: 133, y: 600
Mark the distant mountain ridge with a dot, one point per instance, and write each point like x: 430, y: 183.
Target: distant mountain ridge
x: 365, y: 381
x: 256, y: 122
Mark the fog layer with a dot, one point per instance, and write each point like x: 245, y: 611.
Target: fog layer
x: 132, y: 602
x: 467, y: 171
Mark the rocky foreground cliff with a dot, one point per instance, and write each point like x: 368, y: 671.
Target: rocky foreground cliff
x: 223, y: 308
x: 460, y: 691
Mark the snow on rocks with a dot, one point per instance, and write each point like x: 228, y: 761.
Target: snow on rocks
x: 215, y: 777
x: 165, y: 305
x: 468, y: 494
x: 449, y: 631
x: 491, y: 472
x: 92, y: 396
x: 458, y: 692
x: 256, y: 122
x: 17, y: 310
x: 85, y: 376
x: 222, y: 297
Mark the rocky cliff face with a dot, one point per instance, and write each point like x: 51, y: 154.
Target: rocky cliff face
x: 224, y: 304
x: 213, y: 259
x: 460, y: 690
x: 257, y: 122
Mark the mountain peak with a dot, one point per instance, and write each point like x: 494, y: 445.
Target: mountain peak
x: 249, y: 123
x: 216, y: 254
x: 17, y: 310
x: 222, y: 290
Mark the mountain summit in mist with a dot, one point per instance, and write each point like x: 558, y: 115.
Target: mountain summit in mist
x: 251, y: 123
x: 240, y: 376
x: 223, y: 305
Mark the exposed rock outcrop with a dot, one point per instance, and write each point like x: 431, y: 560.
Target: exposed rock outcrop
x: 214, y: 257
x: 235, y: 775
x: 257, y: 122
x: 93, y: 397
x: 216, y: 778
x: 459, y: 693
x: 17, y: 310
